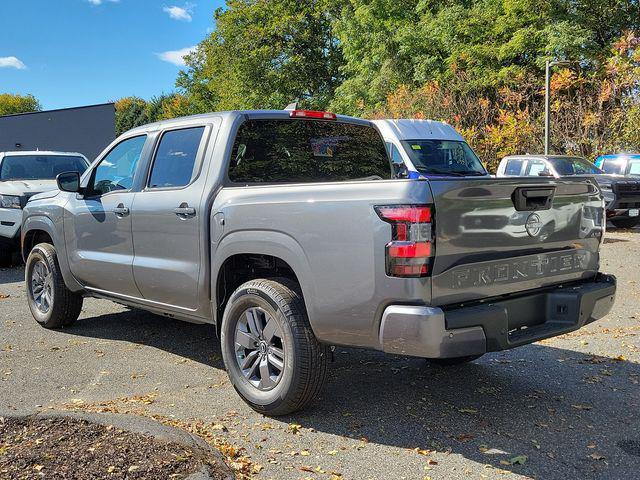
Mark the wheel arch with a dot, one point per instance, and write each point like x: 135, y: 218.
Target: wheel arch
x: 266, y: 253
x: 37, y: 229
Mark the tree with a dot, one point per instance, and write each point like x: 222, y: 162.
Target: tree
x: 266, y: 54
x: 132, y: 112
x: 13, y: 103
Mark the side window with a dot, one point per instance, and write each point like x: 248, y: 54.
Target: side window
x: 116, y: 170
x: 394, y: 154
x: 614, y: 167
x: 513, y: 167
x: 174, y: 164
x: 535, y: 167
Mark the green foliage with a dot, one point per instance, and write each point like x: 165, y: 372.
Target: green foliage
x: 133, y: 111
x: 11, y: 104
x: 266, y: 54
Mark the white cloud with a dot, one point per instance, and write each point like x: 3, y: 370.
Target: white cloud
x: 176, y: 56
x: 12, y: 62
x: 180, y: 13
x: 100, y: 2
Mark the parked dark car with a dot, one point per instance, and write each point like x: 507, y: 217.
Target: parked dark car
x: 621, y: 194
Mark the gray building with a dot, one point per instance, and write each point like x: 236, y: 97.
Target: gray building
x: 87, y: 130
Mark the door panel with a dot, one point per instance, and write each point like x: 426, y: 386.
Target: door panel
x: 167, y: 221
x: 100, y: 246
x: 98, y: 224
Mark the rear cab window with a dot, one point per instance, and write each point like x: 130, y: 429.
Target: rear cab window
x: 306, y: 151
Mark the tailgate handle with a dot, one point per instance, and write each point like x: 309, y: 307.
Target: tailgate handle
x: 529, y: 199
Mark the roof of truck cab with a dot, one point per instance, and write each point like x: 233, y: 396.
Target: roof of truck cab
x: 232, y: 114
x: 415, y: 129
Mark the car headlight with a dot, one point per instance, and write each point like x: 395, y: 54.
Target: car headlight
x: 9, y: 201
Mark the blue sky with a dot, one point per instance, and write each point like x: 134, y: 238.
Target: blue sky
x: 79, y: 52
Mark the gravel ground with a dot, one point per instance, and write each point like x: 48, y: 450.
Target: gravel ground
x: 562, y: 408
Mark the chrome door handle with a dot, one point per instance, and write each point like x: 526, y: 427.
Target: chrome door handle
x: 121, y: 211
x: 184, y: 210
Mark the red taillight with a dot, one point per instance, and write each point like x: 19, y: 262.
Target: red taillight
x: 313, y: 114
x: 411, y: 247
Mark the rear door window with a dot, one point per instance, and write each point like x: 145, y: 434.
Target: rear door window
x: 303, y: 151
x: 174, y: 165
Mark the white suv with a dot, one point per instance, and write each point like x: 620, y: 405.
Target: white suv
x: 22, y: 175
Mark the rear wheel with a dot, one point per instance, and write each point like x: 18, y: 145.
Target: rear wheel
x: 51, y: 303
x: 450, y: 362
x: 628, y: 222
x: 272, y: 357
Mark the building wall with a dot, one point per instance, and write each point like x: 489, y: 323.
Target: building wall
x: 87, y: 130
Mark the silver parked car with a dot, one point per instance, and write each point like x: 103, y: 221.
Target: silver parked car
x: 287, y: 230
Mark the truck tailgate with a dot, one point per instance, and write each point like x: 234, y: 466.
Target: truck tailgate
x: 504, y: 235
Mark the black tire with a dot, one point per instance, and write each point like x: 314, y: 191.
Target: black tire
x: 304, y: 359
x: 451, y: 362
x: 64, y: 306
x: 628, y: 222
x: 6, y: 255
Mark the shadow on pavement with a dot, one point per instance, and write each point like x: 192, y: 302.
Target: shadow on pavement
x: 11, y: 275
x: 573, y: 415
x: 196, y: 342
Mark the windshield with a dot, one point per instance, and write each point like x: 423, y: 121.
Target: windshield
x: 634, y: 167
x: 443, y: 157
x: 39, y: 167
x: 574, y: 166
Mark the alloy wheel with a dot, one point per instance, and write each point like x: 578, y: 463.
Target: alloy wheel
x: 259, y: 348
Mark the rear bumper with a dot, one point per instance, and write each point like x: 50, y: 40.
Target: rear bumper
x: 432, y: 332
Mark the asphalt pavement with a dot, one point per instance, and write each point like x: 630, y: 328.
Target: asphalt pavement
x: 564, y: 408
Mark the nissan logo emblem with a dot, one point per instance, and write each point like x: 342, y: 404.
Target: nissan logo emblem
x: 533, y: 225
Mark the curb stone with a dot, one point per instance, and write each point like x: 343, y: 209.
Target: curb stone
x: 141, y: 426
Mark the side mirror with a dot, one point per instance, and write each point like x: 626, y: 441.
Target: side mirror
x: 545, y: 173
x: 69, y: 182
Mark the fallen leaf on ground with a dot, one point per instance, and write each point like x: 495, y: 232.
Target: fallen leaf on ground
x: 468, y: 410
x: 518, y: 460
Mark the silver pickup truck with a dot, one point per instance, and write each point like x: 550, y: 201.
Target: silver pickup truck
x: 287, y: 231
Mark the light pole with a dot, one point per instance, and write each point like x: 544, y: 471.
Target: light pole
x: 547, y: 100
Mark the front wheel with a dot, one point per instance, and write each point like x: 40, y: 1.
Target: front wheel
x: 51, y: 303
x: 628, y: 222
x: 272, y: 357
